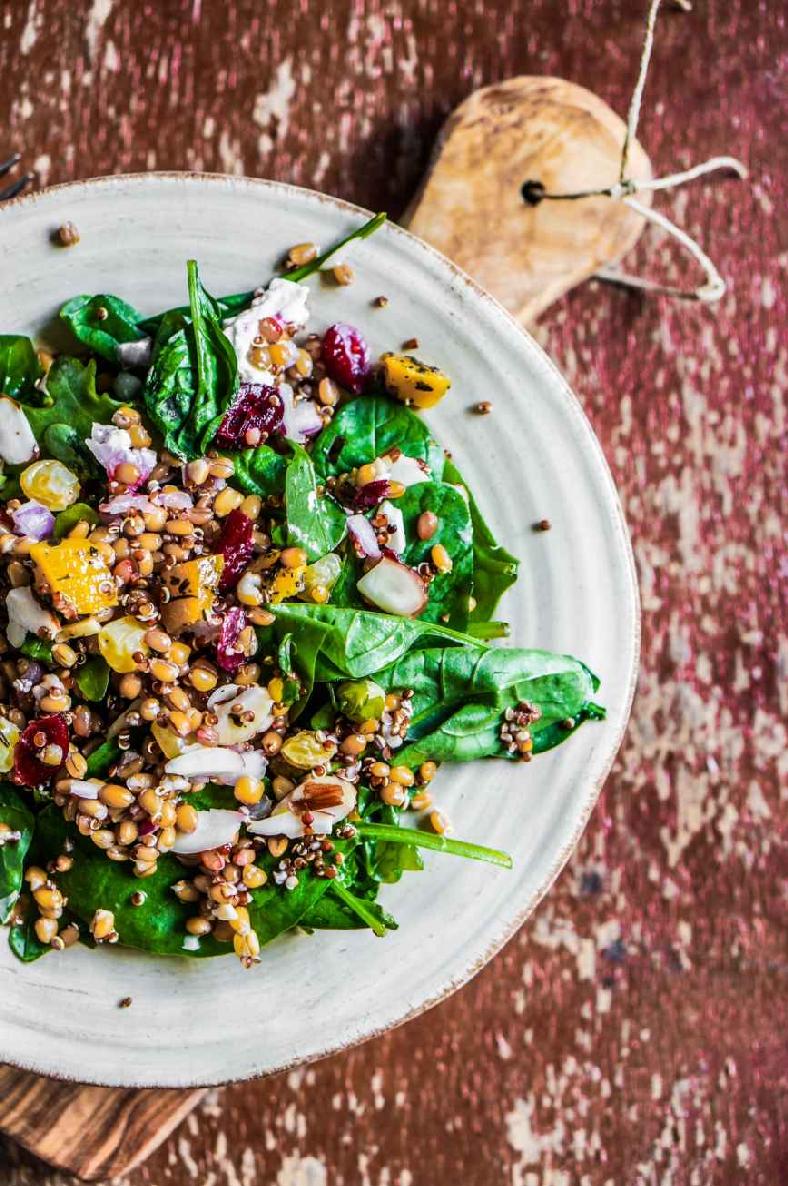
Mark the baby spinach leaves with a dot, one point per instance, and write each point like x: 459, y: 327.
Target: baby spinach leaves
x: 94, y: 883
x: 15, y: 838
x: 194, y: 374
x: 449, y: 592
x: 461, y: 695
x: 260, y: 471
x: 314, y: 522
x: 494, y: 569
x: 20, y: 369
x: 102, y: 323
x: 369, y: 427
x: 78, y: 512
x: 63, y: 420
x: 92, y: 678
x: 351, y: 644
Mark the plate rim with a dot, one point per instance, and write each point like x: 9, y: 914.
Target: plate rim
x: 591, y: 797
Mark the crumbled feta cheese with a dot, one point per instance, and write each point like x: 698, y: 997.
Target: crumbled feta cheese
x: 283, y: 300
x: 27, y: 616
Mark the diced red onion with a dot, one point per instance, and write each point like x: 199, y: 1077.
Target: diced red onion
x: 301, y: 418
x: 124, y: 504
x: 33, y: 520
x: 363, y: 535
x: 174, y: 500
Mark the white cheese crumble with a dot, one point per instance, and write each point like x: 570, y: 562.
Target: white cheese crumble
x: 282, y: 299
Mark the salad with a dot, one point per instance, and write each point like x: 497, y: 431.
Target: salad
x: 247, y: 609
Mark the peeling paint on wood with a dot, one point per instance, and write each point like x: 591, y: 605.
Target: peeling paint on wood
x: 633, y: 1034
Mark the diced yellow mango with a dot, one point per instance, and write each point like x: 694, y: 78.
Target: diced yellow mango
x: 9, y: 735
x: 412, y: 381
x: 287, y: 583
x: 196, y: 578
x: 120, y: 640
x: 76, y: 570
x: 181, y: 613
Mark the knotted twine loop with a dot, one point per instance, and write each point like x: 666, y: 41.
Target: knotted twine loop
x: 533, y: 193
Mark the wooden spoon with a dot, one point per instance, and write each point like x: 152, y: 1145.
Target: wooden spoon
x: 470, y: 205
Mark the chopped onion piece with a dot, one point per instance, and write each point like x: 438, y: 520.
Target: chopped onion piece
x: 17, y: 442
x: 394, y: 588
x: 34, y: 520
x: 363, y: 535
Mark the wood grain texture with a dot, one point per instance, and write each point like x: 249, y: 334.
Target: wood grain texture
x: 633, y: 1033
x: 469, y: 204
x: 99, y: 1131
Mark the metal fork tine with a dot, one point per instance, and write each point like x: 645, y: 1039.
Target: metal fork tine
x: 7, y: 166
x: 15, y: 187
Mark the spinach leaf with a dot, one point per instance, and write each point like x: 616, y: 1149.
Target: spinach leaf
x: 449, y: 593
x: 19, y: 822
x: 382, y: 861
x: 260, y: 471
x: 213, y: 795
x: 494, y: 569
x: 344, y: 903
x: 332, y: 914
x: 92, y: 678
x: 94, y: 883
x: 72, y: 405
x: 272, y: 912
x: 37, y: 648
x: 459, y: 848
x: 314, y: 522
x: 362, y: 232
x: 102, y: 323
x: 349, y: 643
x: 23, y: 940
x: 368, y: 427
x: 461, y: 694
x: 193, y: 376
x: 19, y: 366
x: 102, y: 759
x: 78, y: 512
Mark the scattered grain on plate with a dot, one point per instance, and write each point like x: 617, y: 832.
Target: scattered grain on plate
x: 541, y: 525
x: 124, y: 1002
x: 483, y: 408
x: 410, y: 344
x: 380, y: 302
x: 67, y: 235
x: 343, y: 275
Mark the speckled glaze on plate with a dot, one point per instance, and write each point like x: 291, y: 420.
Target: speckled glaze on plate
x: 535, y: 456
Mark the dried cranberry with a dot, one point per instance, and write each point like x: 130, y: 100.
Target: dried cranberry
x: 371, y: 493
x: 345, y: 356
x: 29, y: 770
x: 256, y: 408
x: 236, y: 544
x: 229, y: 656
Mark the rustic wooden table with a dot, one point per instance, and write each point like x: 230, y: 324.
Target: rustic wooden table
x: 634, y: 1031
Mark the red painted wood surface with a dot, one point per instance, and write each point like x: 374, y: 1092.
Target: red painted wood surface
x: 634, y: 1032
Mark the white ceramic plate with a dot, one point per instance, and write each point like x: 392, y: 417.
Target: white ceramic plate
x: 535, y: 456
